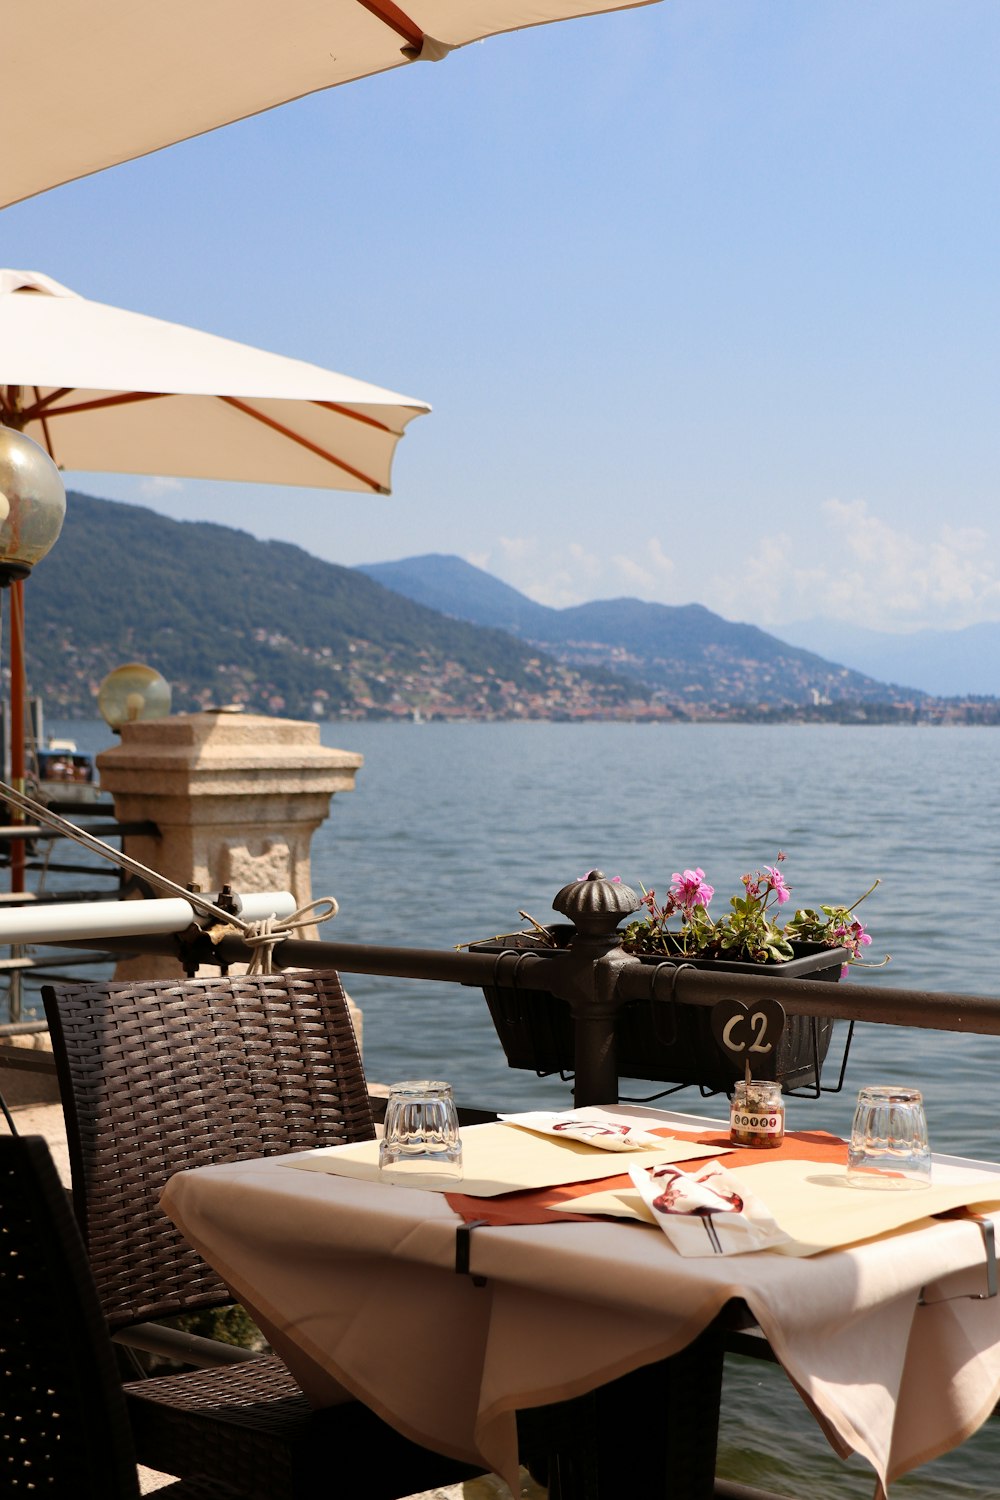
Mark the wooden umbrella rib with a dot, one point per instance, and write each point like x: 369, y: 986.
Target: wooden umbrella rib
x: 42, y: 403
x: 43, y: 409
x: 355, y: 416
x: 304, y: 442
x: 123, y: 398
x: 46, y: 434
x: 397, y: 20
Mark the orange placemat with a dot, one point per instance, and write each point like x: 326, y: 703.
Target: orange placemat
x: 537, y: 1205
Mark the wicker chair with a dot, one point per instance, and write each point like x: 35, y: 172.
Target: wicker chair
x: 63, y: 1425
x: 161, y: 1076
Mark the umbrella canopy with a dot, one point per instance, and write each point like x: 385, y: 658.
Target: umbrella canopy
x: 105, y: 389
x: 87, y: 86
x: 114, y: 391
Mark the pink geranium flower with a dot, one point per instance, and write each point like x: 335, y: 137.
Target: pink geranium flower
x: 852, y: 935
x: 691, y: 889
x: 777, y: 883
x: 751, y: 930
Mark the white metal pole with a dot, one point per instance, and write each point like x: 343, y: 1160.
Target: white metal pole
x: 59, y: 923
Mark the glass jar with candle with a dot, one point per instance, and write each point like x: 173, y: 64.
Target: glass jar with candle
x: 757, y: 1115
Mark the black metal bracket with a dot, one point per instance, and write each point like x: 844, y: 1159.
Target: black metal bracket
x: 819, y: 1087
x: 667, y: 1000
x: 515, y: 1012
x: 463, y: 1250
x: 988, y: 1232
x: 195, y: 945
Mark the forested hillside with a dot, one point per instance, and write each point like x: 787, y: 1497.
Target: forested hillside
x: 227, y: 618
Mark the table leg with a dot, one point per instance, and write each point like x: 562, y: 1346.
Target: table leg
x: 653, y: 1432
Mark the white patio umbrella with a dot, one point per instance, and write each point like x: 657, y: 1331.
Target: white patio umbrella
x: 87, y: 86
x: 114, y: 391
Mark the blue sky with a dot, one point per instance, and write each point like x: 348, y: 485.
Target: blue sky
x: 704, y: 295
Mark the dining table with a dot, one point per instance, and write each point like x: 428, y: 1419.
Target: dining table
x: 455, y: 1312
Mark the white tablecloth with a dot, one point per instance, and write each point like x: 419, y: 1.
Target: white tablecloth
x: 354, y: 1282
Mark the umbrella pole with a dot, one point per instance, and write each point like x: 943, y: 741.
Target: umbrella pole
x: 17, y: 684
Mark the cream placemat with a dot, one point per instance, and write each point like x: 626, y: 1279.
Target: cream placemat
x: 506, y: 1159
x: 612, y: 1203
x: 819, y: 1209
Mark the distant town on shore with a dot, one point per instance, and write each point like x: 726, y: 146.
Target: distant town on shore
x: 230, y: 620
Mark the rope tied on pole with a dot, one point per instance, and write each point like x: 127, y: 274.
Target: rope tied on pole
x: 265, y: 935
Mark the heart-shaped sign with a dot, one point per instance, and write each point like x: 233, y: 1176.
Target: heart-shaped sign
x: 749, y: 1033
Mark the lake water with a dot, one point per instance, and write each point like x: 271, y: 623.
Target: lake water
x: 454, y: 828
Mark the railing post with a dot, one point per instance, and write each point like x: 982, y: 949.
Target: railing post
x: 588, y: 980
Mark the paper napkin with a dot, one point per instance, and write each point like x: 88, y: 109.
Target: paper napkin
x: 706, y: 1212
x: 593, y: 1129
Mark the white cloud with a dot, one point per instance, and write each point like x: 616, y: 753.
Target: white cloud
x: 558, y: 578
x: 839, y: 559
x: 587, y: 566
x: 155, y: 485
x: 646, y: 573
x: 517, y: 548
x: 853, y: 565
x: 560, y: 587
x: 572, y: 574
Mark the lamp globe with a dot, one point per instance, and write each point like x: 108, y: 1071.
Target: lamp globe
x: 133, y: 692
x: 32, y: 504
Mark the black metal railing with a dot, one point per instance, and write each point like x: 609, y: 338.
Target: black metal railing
x: 595, y: 984
x: 593, y: 976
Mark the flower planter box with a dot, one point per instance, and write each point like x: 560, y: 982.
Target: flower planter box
x: 656, y: 1039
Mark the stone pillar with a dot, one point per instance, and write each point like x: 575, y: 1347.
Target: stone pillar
x: 236, y: 799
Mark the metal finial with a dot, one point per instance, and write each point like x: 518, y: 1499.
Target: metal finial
x: 595, y: 901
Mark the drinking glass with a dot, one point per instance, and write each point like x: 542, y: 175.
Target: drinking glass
x: 889, y: 1139
x: 420, y: 1141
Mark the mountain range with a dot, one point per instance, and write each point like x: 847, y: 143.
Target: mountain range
x: 684, y: 653
x: 230, y: 619
x: 946, y: 663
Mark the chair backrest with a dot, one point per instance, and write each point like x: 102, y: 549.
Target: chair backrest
x: 63, y: 1425
x: 160, y: 1076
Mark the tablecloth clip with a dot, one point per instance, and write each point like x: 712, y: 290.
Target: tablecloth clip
x: 988, y: 1232
x: 463, y: 1250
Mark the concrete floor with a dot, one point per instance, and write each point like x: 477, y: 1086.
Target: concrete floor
x: 45, y: 1120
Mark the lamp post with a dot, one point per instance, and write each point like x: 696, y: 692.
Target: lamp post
x: 32, y: 509
x: 133, y: 692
